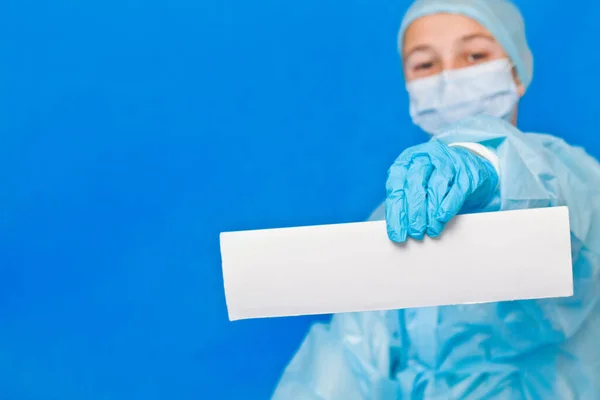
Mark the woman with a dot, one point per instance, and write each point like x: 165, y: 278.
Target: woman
x: 467, y: 64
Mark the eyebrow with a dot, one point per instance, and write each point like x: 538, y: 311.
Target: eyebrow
x: 477, y: 36
x: 416, y: 49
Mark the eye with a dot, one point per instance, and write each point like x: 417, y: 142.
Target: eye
x: 424, y: 66
x: 476, y: 57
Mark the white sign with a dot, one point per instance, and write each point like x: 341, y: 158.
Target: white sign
x: 511, y: 255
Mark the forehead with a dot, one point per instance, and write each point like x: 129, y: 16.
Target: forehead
x: 440, y: 29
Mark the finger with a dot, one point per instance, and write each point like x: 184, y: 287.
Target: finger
x: 454, y: 200
x: 417, y: 180
x: 395, y: 202
x: 395, y: 216
x: 396, y: 178
x: 437, y: 189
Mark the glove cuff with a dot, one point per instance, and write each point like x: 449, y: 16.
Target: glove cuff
x: 481, y: 151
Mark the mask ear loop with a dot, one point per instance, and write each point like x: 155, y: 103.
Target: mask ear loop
x: 515, y: 74
x: 517, y: 79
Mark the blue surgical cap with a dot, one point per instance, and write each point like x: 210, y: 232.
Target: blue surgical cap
x: 500, y: 17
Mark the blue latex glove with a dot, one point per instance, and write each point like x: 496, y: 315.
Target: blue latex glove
x: 430, y: 183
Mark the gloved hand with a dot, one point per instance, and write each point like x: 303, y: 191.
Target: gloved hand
x: 430, y: 183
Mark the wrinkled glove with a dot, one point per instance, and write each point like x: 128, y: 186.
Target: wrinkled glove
x: 430, y: 183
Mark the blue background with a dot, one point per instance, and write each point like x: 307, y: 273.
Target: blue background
x: 133, y: 132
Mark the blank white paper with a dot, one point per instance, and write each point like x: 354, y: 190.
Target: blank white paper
x: 511, y: 255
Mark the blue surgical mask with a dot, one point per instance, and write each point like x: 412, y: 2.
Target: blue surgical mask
x: 488, y: 88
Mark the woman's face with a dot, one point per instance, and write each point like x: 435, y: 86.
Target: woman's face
x: 439, y: 42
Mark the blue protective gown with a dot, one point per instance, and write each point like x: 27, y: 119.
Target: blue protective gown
x: 537, y: 349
